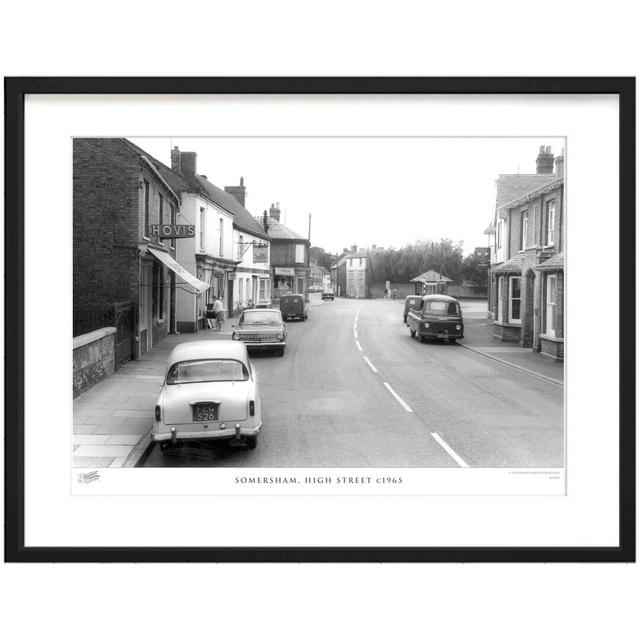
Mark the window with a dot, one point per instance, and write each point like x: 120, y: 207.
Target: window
x: 499, y: 235
x: 514, y: 299
x: 262, y: 289
x: 524, y: 228
x: 500, y: 298
x: 534, y: 225
x: 551, y: 222
x: 550, y: 326
x: 300, y: 253
x: 146, y: 209
x: 203, y: 224
x: 442, y: 308
x: 221, y: 237
x: 207, y: 371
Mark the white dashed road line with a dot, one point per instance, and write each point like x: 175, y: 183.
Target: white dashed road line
x: 355, y: 334
x: 370, y: 364
x: 358, y: 345
x: 397, y: 397
x: 449, y: 450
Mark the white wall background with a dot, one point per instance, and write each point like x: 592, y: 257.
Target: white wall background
x: 330, y: 38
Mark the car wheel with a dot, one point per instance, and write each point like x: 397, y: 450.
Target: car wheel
x: 421, y: 338
x: 251, y: 442
x: 452, y: 340
x: 280, y: 351
x: 412, y: 332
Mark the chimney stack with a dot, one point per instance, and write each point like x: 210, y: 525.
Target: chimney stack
x: 274, y: 212
x: 239, y: 192
x: 265, y: 221
x: 544, y: 161
x: 560, y: 164
x: 175, y: 160
x: 188, y: 164
x: 354, y: 248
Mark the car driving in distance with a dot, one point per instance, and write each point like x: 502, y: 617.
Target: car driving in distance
x: 327, y: 294
x: 210, y: 391
x: 261, y: 329
x: 436, y: 316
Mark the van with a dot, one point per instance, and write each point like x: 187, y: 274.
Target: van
x: 293, y: 305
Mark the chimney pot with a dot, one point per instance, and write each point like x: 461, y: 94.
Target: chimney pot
x: 274, y: 212
x: 175, y: 160
x: 544, y: 161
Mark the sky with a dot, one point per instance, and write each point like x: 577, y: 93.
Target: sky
x: 388, y: 192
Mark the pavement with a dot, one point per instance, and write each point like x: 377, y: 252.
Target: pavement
x: 478, y: 337
x: 112, y: 420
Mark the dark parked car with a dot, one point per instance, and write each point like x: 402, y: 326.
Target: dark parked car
x: 293, y: 305
x: 261, y: 329
x: 436, y: 316
x: 327, y: 294
x: 410, y: 302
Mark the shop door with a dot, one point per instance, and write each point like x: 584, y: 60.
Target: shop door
x: 123, y: 312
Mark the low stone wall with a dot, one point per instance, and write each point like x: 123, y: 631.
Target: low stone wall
x: 507, y: 332
x: 94, y: 358
x: 552, y: 347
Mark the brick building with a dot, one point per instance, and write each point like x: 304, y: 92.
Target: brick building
x: 358, y: 277
x: 289, y: 256
x: 123, y: 277
x: 339, y: 274
x: 526, y: 278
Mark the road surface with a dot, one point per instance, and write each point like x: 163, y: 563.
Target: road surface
x: 354, y: 390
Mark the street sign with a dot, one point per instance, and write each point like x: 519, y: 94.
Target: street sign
x: 171, y: 231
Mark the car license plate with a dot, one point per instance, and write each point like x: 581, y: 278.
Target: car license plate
x: 205, y: 412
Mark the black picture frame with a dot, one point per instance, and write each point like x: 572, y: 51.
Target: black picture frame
x: 15, y: 91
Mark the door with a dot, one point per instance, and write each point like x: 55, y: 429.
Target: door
x: 123, y: 313
x: 146, y: 308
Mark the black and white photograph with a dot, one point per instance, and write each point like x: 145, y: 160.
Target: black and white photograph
x: 319, y: 302
x: 369, y: 319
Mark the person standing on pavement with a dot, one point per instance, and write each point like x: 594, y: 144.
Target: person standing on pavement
x: 218, y: 309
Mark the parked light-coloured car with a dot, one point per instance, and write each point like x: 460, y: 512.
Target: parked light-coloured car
x: 261, y: 329
x: 210, y: 391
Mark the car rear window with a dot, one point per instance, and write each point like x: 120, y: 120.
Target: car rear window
x: 442, y: 308
x: 261, y: 317
x: 217, y: 370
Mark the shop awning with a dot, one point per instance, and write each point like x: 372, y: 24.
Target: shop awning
x: 179, y: 270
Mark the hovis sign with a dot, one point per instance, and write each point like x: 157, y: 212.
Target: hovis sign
x: 171, y: 231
